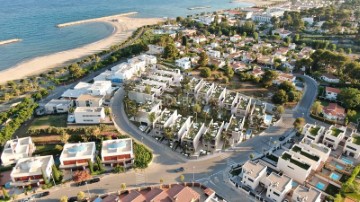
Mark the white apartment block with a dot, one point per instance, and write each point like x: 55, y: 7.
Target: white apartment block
x: 214, y: 130
x: 252, y: 174
x: 146, y: 109
x: 181, y: 126
x: 333, y: 136
x: 293, y: 166
x: 156, y: 84
x: 183, y: 63
x: 174, y: 74
x: 100, y: 88
x: 55, y: 106
x: 31, y: 170
x: 191, y: 138
x: 316, y: 148
x: 205, y: 92
x: 166, y: 119
x: 219, y: 94
x: 86, y: 100
x: 140, y: 96
x: 306, y: 155
x: 117, y: 152
x: 17, y: 149
x: 277, y: 186
x: 304, y: 194
x: 352, y: 145
x: 313, y: 132
x: 89, y: 115
x: 77, y: 154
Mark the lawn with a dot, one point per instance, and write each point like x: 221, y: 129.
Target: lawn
x: 356, y: 140
x: 314, y: 130
x: 48, y: 149
x: 353, y: 196
x: 336, y: 132
x: 48, y: 121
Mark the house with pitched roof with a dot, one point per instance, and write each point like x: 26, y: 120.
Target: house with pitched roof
x: 331, y: 93
x: 334, y: 112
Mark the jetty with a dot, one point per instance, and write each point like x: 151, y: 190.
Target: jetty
x: 9, y: 41
x: 199, y: 7
x: 107, y: 18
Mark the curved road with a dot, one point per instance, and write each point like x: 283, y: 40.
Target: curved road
x: 211, y: 171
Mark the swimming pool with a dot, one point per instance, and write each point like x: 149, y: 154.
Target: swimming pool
x: 346, y: 161
x: 294, y: 184
x: 339, y: 167
x: 334, y: 176
x: 320, y: 185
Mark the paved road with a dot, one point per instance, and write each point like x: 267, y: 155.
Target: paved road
x: 210, y: 171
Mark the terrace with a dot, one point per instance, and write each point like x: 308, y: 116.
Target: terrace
x: 193, y: 131
x: 230, y: 98
x: 310, y: 156
x: 164, y: 117
x: 243, y: 103
x: 179, y: 122
x: 336, y: 132
x: 314, y: 131
x: 213, y: 129
x: 287, y: 157
x: 217, y: 92
x: 148, y: 106
x: 356, y: 140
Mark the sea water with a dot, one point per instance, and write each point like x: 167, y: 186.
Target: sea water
x: 34, y: 21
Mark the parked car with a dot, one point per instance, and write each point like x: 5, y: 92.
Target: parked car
x: 79, y: 184
x: 72, y: 199
x: 281, y: 138
x: 40, y: 195
x: 181, y: 169
x: 94, y: 180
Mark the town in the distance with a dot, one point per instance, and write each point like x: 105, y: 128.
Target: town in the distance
x: 246, y: 104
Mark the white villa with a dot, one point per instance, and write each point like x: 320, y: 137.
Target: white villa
x: 252, y: 173
x: 17, y: 149
x: 333, y: 136
x: 352, y: 145
x: 77, y: 155
x: 313, y: 132
x: 117, y: 152
x: 277, y: 186
x: 31, y: 170
x: 294, y: 166
x: 89, y: 115
x: 183, y: 63
x: 304, y: 194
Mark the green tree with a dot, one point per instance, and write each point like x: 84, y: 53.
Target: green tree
x: 280, y: 97
x: 123, y: 186
x: 64, y: 137
x: 317, y: 108
x: 287, y: 86
x: 256, y: 36
x: 56, y: 174
x: 268, y: 77
x: 182, y: 178
x: 196, y: 108
x: 205, y: 72
x: 147, y: 89
x: 80, y: 196
x: 350, y: 98
x: 152, y: 117
x: 299, y: 123
x: 203, y: 60
x: 143, y: 156
x: 45, y: 178
x: 5, y: 193
x: 280, y: 109
x: 91, y: 166
x: 170, y: 51
x: 100, y: 165
x: 76, y: 71
x: 229, y: 72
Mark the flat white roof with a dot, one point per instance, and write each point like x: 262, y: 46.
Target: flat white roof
x: 78, y: 150
x: 74, y: 93
x: 278, y: 182
x: 31, y: 166
x: 117, y: 147
x: 17, y: 146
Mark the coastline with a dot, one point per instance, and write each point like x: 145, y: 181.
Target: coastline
x: 123, y: 28
x: 9, y: 41
x: 256, y: 2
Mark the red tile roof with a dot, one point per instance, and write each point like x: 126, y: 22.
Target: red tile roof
x: 334, y: 109
x: 333, y: 90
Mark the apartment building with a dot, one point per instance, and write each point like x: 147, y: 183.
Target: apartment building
x: 87, y: 100
x: 146, y: 109
x: 205, y: 92
x: 352, y: 145
x: 333, y: 136
x: 17, y: 149
x: 252, y: 173
x: 89, y: 115
x: 117, y: 152
x: 31, y: 171
x: 277, y: 186
x: 165, y: 122
x: 190, y: 140
x: 293, y: 166
x: 77, y: 155
x: 174, y: 74
x: 219, y: 94
x: 212, y: 137
x: 313, y: 132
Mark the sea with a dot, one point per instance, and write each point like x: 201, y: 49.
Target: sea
x: 34, y: 21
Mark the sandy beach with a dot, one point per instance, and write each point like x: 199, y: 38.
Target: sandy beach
x: 123, y: 28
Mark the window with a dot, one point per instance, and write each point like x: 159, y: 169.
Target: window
x: 251, y: 180
x: 276, y: 194
x: 330, y: 140
x: 290, y: 167
x: 352, y: 148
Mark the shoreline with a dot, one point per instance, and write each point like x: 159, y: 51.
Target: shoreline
x: 9, y: 41
x: 258, y: 3
x: 101, y: 19
x: 123, y: 29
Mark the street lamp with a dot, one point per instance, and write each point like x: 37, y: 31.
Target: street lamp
x: 193, y: 173
x: 88, y: 189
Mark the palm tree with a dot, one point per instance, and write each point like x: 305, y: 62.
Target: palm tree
x: 151, y: 118
x: 168, y: 133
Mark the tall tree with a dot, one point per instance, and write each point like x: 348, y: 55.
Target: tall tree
x: 204, y: 59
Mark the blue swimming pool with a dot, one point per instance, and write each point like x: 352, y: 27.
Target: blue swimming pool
x: 346, y: 161
x: 294, y: 184
x: 320, y: 186
x: 334, y: 176
x: 339, y: 167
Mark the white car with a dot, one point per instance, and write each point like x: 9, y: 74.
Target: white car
x: 142, y: 128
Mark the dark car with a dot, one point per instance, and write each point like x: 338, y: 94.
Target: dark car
x: 282, y: 138
x: 181, y: 169
x: 39, y: 195
x: 79, y: 184
x: 94, y: 180
x: 72, y: 199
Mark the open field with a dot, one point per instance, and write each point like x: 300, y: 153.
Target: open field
x: 49, y: 121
